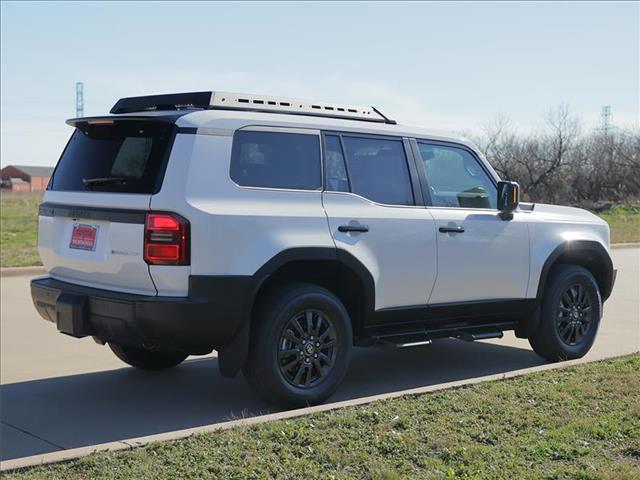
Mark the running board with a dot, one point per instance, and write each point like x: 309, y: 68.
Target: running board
x: 403, y: 341
x: 425, y: 337
x: 472, y: 337
x: 412, y: 344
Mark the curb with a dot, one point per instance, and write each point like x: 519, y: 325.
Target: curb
x: 626, y: 245
x: 18, y: 271
x: 131, y: 443
x: 37, y: 270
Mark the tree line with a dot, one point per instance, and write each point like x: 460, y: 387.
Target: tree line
x: 562, y: 165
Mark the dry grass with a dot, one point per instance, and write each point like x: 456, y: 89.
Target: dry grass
x: 19, y: 229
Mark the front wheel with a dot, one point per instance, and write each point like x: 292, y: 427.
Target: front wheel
x: 300, y: 346
x: 144, y: 359
x: 571, y: 312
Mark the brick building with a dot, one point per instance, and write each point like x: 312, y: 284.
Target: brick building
x: 21, y: 178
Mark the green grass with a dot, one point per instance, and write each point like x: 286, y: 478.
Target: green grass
x: 624, y: 221
x: 19, y: 224
x: 18, y: 229
x: 581, y: 422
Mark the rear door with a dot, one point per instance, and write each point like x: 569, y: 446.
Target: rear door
x: 374, y: 216
x: 91, y: 224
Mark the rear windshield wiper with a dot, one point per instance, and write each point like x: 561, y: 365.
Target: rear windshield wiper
x: 90, y: 182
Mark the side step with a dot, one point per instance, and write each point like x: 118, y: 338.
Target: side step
x: 472, y: 337
x: 425, y: 337
x: 402, y: 341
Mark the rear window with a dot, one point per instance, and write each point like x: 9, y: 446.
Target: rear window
x: 378, y: 170
x: 124, y: 157
x: 276, y: 160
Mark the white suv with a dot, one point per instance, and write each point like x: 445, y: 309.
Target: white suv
x: 282, y: 232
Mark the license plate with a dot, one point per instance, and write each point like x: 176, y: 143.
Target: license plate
x: 84, y: 237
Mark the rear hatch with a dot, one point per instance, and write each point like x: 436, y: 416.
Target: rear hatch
x: 92, y: 220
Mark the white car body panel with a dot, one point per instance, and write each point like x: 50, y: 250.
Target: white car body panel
x: 117, y: 262
x: 488, y: 261
x: 399, y: 249
x: 235, y: 230
x: 552, y: 225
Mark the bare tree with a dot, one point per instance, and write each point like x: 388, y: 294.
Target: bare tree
x: 561, y: 165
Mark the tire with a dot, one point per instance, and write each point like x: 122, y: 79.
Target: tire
x: 277, y: 352
x: 565, y: 333
x: 144, y: 359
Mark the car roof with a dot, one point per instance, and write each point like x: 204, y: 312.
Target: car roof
x: 236, y: 119
x: 233, y: 120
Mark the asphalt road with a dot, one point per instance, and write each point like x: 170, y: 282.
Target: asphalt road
x: 57, y: 392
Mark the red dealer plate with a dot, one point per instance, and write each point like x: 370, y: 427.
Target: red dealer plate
x: 84, y: 237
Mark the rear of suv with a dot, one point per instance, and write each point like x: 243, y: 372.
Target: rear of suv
x: 282, y: 232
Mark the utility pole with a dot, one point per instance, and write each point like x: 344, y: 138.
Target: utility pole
x: 79, y: 100
x: 605, y: 120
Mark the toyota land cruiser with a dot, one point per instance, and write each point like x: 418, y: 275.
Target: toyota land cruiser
x: 282, y: 232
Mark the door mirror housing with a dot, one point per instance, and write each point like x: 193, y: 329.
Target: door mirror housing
x: 508, y: 198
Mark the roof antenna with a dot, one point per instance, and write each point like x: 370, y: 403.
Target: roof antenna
x: 388, y: 120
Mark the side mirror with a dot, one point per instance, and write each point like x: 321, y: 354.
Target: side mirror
x: 508, y: 198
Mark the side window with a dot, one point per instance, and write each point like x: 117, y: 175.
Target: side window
x: 378, y: 170
x: 276, y: 160
x: 335, y: 168
x: 456, y: 179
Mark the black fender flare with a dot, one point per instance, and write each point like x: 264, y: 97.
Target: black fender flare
x: 232, y: 356
x: 582, y: 249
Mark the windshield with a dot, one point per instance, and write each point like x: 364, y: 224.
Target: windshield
x: 123, y: 157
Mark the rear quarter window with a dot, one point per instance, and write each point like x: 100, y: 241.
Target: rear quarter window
x: 128, y: 157
x: 276, y: 160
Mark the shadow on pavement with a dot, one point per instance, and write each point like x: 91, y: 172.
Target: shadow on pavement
x: 67, y: 412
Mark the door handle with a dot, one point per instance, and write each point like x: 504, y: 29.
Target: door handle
x: 353, y: 228
x: 451, y: 229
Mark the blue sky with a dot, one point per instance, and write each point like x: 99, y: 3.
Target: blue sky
x: 448, y: 66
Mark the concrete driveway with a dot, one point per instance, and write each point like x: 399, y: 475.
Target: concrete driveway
x: 57, y: 392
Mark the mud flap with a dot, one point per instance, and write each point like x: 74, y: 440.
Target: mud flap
x: 233, y: 357
x: 529, y: 324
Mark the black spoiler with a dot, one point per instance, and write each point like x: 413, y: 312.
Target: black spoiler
x: 165, y: 117
x: 172, y: 101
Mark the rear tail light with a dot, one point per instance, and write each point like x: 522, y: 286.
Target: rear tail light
x: 166, y: 239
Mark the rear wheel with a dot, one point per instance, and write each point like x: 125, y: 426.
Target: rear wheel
x: 300, y: 346
x: 571, y: 312
x: 145, y: 359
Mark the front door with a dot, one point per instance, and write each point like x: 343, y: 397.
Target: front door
x: 481, y: 257
x: 372, y: 214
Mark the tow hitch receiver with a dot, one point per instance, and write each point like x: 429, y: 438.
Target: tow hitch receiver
x: 71, y: 312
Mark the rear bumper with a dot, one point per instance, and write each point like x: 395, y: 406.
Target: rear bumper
x: 208, y: 318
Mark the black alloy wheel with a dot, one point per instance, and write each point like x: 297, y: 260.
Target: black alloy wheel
x: 574, y: 314
x: 300, y: 345
x: 307, y: 348
x: 569, y: 314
